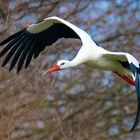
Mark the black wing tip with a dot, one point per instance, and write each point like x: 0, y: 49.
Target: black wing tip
x: 137, y: 119
x: 3, y: 64
x: 134, y: 125
x: 11, y: 37
x: 136, y: 71
x: 11, y: 68
x: 18, y: 70
x: 11, y: 42
x: 132, y: 129
x: 26, y: 64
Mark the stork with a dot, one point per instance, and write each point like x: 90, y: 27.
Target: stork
x: 26, y: 44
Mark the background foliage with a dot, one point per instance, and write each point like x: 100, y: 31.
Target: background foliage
x: 76, y: 104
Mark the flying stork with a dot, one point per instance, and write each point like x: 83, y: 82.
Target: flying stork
x: 26, y: 44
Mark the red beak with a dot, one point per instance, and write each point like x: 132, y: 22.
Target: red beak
x: 54, y: 68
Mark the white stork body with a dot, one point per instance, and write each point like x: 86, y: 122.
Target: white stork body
x: 22, y: 46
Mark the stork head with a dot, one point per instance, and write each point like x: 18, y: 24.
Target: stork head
x: 62, y: 64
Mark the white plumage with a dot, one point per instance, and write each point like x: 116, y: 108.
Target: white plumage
x: 22, y: 46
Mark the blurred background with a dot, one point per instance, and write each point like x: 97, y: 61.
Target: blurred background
x: 76, y: 104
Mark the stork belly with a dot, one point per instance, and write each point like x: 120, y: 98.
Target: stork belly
x: 111, y: 65
x: 102, y: 65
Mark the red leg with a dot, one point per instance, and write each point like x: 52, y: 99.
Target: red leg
x: 127, y: 79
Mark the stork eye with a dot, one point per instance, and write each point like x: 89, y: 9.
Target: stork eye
x: 62, y: 64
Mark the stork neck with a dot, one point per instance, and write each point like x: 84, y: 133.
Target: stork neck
x: 80, y: 57
x: 76, y: 61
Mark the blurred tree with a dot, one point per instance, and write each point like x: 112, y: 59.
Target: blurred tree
x: 80, y: 103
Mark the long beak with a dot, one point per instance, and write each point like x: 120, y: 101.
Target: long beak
x: 54, y: 68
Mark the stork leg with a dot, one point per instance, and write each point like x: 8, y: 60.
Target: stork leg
x: 126, y: 78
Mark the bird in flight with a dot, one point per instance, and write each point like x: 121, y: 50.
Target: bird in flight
x: 26, y: 44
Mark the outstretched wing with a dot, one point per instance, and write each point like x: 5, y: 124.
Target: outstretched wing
x: 22, y: 46
x: 133, y: 65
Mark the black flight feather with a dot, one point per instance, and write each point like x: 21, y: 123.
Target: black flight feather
x: 23, y: 56
x: 11, y: 44
x: 18, y: 53
x: 136, y: 73
x: 12, y: 37
x: 29, y: 56
x: 7, y: 48
x: 39, y: 41
x: 125, y: 64
x: 12, y: 51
